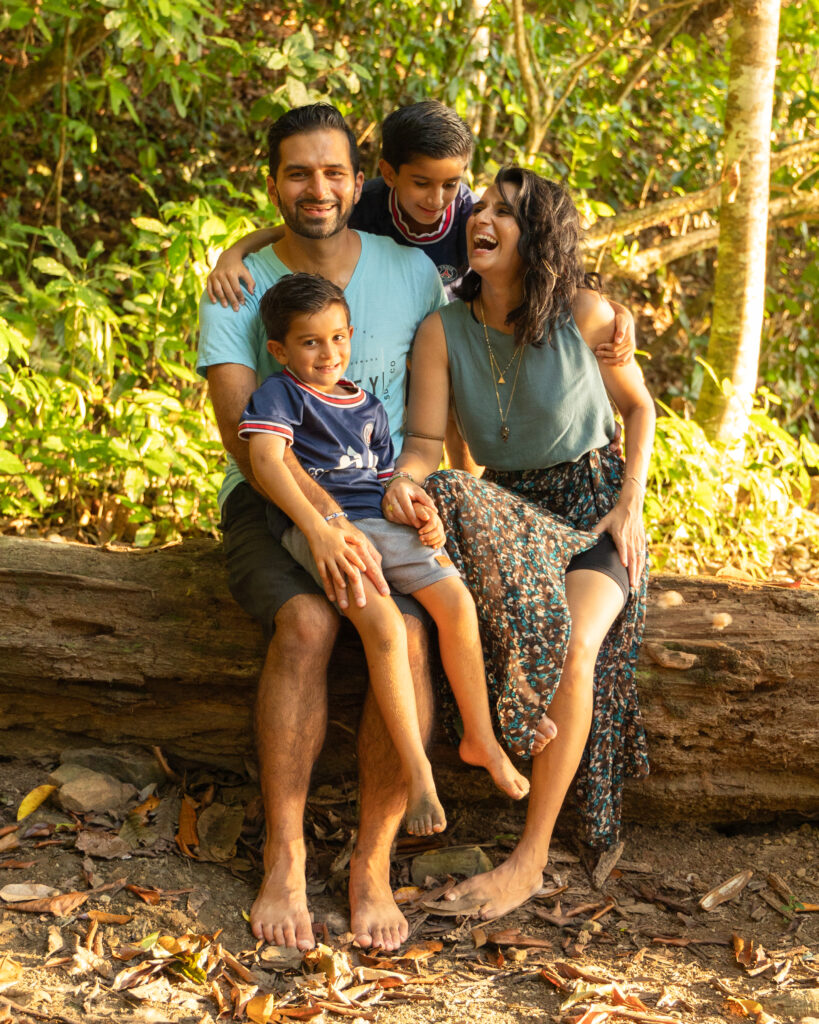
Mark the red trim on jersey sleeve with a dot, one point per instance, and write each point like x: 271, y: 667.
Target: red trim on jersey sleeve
x: 265, y: 427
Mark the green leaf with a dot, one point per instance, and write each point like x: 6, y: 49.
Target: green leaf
x: 9, y: 463
x: 48, y: 265
x: 144, y: 535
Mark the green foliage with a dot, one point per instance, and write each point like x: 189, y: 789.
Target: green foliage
x: 709, y: 506
x: 130, y: 171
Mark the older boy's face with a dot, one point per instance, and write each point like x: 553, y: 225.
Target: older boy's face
x: 425, y: 187
x: 315, y: 188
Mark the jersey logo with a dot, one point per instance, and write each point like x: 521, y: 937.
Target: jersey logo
x: 367, y: 433
x: 448, y: 273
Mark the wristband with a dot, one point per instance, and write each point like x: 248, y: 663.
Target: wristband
x: 335, y: 515
x: 399, y: 475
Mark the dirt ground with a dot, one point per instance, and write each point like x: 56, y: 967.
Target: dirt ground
x: 638, y: 948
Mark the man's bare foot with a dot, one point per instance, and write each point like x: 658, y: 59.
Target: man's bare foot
x: 493, y: 758
x: 280, y: 915
x: 375, y: 920
x: 425, y: 815
x: 545, y: 732
x: 498, y: 892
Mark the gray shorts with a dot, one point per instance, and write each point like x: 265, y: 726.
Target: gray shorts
x: 262, y: 576
x: 407, y: 564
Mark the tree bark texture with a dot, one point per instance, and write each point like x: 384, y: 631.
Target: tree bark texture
x: 149, y: 648
x: 739, y: 287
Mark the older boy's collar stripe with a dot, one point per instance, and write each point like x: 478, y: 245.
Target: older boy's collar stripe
x: 420, y: 239
x: 356, y: 396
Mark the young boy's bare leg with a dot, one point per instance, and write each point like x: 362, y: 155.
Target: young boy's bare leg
x: 381, y: 627
x: 451, y: 606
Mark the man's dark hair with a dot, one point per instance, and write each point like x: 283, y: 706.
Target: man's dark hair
x: 424, y: 129
x: 314, y: 117
x: 294, y: 295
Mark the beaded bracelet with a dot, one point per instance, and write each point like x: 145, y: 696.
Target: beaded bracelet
x: 335, y: 515
x: 399, y: 475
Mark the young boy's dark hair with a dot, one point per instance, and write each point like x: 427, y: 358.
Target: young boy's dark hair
x: 424, y: 129
x: 295, y: 295
x: 314, y: 117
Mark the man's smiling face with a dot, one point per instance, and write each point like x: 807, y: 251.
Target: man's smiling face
x: 315, y: 188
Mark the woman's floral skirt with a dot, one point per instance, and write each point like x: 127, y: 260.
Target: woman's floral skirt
x: 511, y: 535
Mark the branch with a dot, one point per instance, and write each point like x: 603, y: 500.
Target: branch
x: 631, y: 222
x: 796, y: 207
x: 669, y: 28
x: 29, y: 85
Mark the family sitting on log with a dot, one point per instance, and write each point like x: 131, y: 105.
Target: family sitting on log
x: 549, y: 541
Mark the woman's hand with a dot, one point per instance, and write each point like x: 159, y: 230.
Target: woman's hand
x: 625, y: 524
x: 224, y: 281
x: 432, y: 533
x: 338, y: 558
x: 400, y: 500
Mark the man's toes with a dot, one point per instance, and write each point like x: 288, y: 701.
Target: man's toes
x: 363, y: 939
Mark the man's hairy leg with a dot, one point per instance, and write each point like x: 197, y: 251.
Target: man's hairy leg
x: 290, y: 722
x: 375, y: 919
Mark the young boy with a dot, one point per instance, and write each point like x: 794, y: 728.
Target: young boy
x: 419, y: 200
x: 340, y: 435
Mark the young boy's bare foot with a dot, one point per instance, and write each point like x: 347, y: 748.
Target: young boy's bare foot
x: 425, y: 816
x: 545, y: 732
x: 493, y: 758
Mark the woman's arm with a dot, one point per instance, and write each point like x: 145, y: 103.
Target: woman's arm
x: 594, y: 318
x: 426, y: 423
x: 224, y: 280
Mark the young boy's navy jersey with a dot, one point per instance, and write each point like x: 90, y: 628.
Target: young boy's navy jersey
x: 342, y: 441
x: 377, y: 211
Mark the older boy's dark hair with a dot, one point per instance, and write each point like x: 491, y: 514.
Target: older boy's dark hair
x: 294, y: 295
x: 424, y: 129
x: 314, y: 117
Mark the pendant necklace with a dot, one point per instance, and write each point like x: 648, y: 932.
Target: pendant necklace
x: 498, y: 377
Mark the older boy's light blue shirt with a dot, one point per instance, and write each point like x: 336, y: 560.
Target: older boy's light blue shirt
x: 392, y: 289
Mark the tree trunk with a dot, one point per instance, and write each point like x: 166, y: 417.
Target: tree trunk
x: 149, y: 648
x: 31, y: 84
x: 739, y: 287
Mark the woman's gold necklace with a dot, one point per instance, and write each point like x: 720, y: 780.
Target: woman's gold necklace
x: 498, y: 377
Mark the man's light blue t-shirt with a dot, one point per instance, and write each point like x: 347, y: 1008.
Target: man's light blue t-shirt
x: 392, y: 289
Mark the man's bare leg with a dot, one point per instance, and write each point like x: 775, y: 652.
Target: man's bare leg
x: 290, y: 720
x: 375, y: 919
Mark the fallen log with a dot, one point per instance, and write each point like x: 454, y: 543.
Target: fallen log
x: 148, y: 647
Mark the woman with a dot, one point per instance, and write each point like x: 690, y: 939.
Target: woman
x: 550, y: 541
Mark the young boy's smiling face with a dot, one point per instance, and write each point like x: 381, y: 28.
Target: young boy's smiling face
x: 316, y: 347
x: 425, y: 187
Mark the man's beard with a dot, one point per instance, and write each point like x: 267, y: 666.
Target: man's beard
x: 307, y: 228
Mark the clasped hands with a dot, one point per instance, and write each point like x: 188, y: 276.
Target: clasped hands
x: 344, y: 555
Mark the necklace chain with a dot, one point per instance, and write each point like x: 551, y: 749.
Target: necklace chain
x: 494, y: 368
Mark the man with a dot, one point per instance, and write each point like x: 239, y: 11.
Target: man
x: 315, y: 182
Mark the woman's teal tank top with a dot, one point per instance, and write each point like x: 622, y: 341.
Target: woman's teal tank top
x: 559, y: 411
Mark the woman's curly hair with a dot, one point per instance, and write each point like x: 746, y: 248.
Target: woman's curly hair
x: 549, y: 246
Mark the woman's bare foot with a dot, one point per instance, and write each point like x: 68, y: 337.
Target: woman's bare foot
x: 280, y: 915
x: 375, y: 920
x: 493, y: 758
x: 498, y: 892
x: 425, y: 815
x: 545, y: 732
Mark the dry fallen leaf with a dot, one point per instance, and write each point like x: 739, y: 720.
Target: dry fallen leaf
x: 514, y: 937
x: 10, y: 972
x: 9, y: 842
x: 726, y: 890
x: 103, y: 917
x: 666, y: 658
x: 9, y: 865
x: 18, y: 892
x: 59, y: 906
x: 32, y: 801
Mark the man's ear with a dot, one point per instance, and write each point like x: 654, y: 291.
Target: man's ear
x: 388, y: 172
x: 359, y: 184
x: 277, y: 350
x: 273, y: 195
